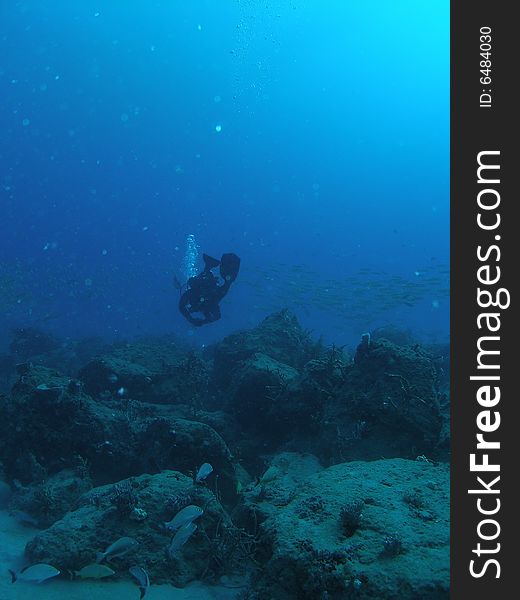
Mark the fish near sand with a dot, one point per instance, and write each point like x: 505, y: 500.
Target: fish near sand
x: 205, y: 470
x: 141, y: 576
x: 181, y: 537
x: 119, y: 548
x: 94, y: 571
x: 35, y: 573
x: 184, y: 516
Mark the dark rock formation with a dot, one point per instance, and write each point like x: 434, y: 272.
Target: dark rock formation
x: 256, y: 392
x: 396, y: 386
x: 156, y: 372
x: 279, y: 336
x: 308, y: 552
x: 53, y: 424
x: 74, y: 541
x: 51, y: 499
x: 138, y: 419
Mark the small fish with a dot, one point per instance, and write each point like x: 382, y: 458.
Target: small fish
x: 119, y: 548
x: 181, y: 537
x: 184, y: 516
x: 35, y: 573
x: 43, y: 387
x: 270, y: 475
x: 94, y: 571
x: 205, y: 470
x: 143, y: 581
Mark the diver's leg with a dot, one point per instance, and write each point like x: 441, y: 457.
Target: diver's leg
x: 210, y: 262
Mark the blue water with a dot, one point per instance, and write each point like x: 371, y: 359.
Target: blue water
x: 308, y: 137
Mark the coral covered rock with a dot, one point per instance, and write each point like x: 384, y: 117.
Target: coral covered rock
x: 258, y: 389
x: 396, y: 548
x: 279, y: 336
x: 54, y: 425
x: 75, y: 540
x: 396, y: 386
x: 154, y: 371
x: 49, y: 500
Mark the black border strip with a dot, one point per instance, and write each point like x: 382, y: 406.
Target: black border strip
x: 481, y: 124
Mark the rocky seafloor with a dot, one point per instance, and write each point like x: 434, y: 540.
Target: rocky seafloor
x: 330, y: 471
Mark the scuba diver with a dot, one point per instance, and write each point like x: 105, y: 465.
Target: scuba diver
x: 204, y: 292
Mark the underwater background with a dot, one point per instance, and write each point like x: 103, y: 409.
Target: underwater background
x: 298, y: 447
x: 309, y: 138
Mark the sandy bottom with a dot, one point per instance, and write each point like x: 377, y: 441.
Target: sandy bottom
x: 13, y: 538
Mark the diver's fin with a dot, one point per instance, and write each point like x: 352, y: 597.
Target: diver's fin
x: 209, y: 262
x: 229, y: 266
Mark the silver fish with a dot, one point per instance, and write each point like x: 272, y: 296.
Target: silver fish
x: 94, y: 571
x: 181, y: 537
x: 43, y: 387
x: 205, y: 470
x: 119, y: 548
x: 143, y: 581
x: 184, y: 516
x: 35, y: 573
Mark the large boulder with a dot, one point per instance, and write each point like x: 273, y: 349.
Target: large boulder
x: 49, y: 500
x: 279, y: 336
x: 256, y: 392
x: 138, y: 508
x: 155, y: 370
x: 51, y: 424
x: 355, y: 530
x: 398, y: 387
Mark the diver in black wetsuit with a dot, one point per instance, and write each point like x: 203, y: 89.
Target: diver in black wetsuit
x: 204, y: 292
